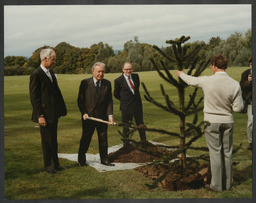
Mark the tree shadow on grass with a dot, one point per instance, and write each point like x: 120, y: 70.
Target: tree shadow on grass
x: 241, y: 176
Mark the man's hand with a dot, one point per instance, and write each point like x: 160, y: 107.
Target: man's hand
x: 111, y: 120
x: 42, y: 121
x: 85, y: 116
x: 179, y: 72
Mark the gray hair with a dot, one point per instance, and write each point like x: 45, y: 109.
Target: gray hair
x: 98, y: 64
x: 127, y: 63
x: 46, y: 53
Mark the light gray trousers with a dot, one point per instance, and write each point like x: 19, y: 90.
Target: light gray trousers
x: 219, y: 138
x: 249, y: 123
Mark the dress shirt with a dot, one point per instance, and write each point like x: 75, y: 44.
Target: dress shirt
x: 127, y: 80
x: 94, y: 81
x: 47, y: 72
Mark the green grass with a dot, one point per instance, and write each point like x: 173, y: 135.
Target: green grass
x: 24, y: 175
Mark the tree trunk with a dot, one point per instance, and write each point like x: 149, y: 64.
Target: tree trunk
x: 182, y: 125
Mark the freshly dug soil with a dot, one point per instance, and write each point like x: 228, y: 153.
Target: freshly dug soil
x: 190, y: 179
x: 143, y: 152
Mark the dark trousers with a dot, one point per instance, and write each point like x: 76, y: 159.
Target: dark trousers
x: 89, y: 127
x: 126, y: 118
x: 50, y: 145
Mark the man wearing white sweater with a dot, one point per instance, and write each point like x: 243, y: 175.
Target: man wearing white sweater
x: 222, y: 96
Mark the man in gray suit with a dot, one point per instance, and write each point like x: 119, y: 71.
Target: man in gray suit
x: 48, y: 105
x: 222, y: 96
x: 95, y: 100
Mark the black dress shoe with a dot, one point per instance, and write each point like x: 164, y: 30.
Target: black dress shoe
x: 81, y: 160
x: 60, y: 168
x: 82, y: 164
x: 107, y: 163
x: 52, y: 171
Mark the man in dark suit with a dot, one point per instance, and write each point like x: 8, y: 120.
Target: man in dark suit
x: 48, y: 105
x: 246, y: 86
x: 95, y: 100
x: 126, y: 90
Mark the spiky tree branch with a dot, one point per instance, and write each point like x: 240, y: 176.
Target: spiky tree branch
x: 164, y: 54
x: 169, y: 108
x: 169, y: 77
x: 201, y: 68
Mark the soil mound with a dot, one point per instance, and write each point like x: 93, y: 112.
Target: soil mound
x: 144, y: 152
x: 139, y: 152
x: 189, y: 179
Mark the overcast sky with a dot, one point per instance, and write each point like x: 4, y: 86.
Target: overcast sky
x: 27, y: 28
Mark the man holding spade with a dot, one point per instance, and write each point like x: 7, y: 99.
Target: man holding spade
x: 95, y: 100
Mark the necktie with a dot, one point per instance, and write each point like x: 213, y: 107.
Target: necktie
x: 49, y: 74
x: 132, y: 86
x: 97, y: 86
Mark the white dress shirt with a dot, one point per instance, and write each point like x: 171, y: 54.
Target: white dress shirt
x: 47, y: 72
x: 127, y: 80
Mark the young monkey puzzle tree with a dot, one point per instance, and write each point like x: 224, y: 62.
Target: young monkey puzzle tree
x: 183, y: 56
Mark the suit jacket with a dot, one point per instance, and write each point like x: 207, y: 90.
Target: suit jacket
x: 46, y: 97
x: 129, y: 102
x: 99, y: 105
x: 246, y: 86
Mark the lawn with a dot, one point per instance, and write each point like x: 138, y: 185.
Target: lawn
x: 24, y: 175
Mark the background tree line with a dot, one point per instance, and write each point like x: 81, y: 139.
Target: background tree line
x: 236, y: 48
